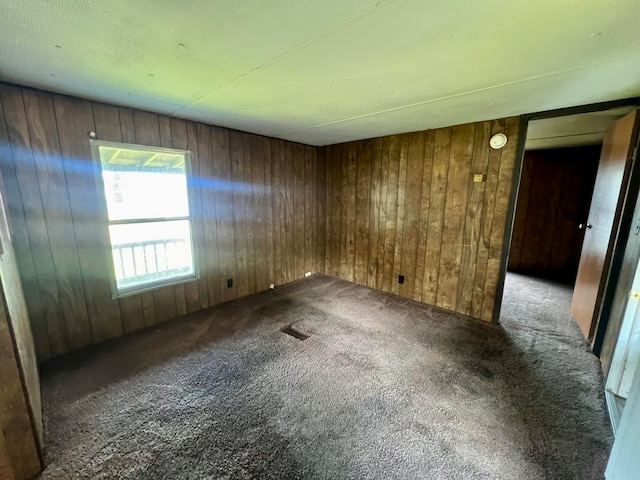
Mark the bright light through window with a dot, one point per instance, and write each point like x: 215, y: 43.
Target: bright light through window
x: 148, y: 214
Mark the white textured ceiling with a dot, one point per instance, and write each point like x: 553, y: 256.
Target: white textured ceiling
x: 322, y: 72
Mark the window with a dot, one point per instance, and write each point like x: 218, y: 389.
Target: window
x: 147, y: 207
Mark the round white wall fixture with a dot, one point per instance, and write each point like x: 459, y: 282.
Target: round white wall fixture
x: 498, y: 141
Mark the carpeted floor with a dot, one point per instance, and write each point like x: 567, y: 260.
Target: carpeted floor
x: 384, y: 388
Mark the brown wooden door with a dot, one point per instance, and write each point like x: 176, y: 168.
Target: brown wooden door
x: 604, y: 217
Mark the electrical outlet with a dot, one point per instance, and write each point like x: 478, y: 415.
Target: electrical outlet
x: 400, y: 279
x: 478, y: 177
x: 229, y: 282
x: 272, y: 286
x: 307, y: 274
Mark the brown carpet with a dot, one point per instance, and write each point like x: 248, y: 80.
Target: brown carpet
x: 383, y: 388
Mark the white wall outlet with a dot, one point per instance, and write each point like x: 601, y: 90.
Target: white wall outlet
x: 272, y: 286
x: 307, y: 274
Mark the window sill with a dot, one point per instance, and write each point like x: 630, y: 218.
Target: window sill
x: 155, y: 286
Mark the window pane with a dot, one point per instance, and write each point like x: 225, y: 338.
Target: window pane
x: 149, y: 253
x: 144, y: 184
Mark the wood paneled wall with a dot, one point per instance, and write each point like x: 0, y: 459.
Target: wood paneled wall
x: 20, y: 403
x: 19, y: 455
x: 554, y: 197
x: 18, y: 449
x: 407, y: 205
x: 256, y: 214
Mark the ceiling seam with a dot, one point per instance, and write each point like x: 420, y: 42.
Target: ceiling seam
x: 426, y: 102
x: 355, y: 18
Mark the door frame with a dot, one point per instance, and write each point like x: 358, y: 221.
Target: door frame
x: 625, y: 222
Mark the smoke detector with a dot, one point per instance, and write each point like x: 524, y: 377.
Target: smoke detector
x: 498, y: 141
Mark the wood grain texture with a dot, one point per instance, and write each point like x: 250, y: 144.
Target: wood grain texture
x: 298, y: 212
x: 27, y: 199
x: 6, y: 469
x: 363, y: 190
x: 437, y: 193
x: 53, y: 190
x: 382, y: 211
x: 407, y: 205
x: 21, y: 239
x: 254, y: 207
x: 289, y: 200
x: 197, y: 186
x: 103, y: 314
x: 224, y: 212
x: 376, y: 199
x: 553, y: 199
x: 423, y: 225
x: 258, y: 214
x: 239, y: 207
x: 209, y: 269
x: 507, y: 157
x: 416, y: 166
x: 351, y: 230
x: 462, y: 138
x: 473, y: 222
x: 332, y: 227
x: 321, y: 215
x: 18, y: 320
x: 15, y: 420
x: 268, y: 207
x: 174, y: 132
x: 310, y: 218
x: 401, y: 195
x: 277, y: 206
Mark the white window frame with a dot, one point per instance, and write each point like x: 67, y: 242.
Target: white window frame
x: 104, y: 216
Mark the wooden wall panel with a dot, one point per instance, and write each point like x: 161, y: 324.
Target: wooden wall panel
x: 473, y: 224
x: 20, y: 418
x: 407, y: 205
x: 30, y: 207
x: 255, y: 208
x: 321, y: 219
x: 20, y: 403
x: 506, y: 157
x: 437, y: 192
x: 277, y: 207
x: 554, y: 197
x: 250, y: 219
x: 16, y: 426
x: 382, y: 211
x: 401, y: 195
x: 289, y: 261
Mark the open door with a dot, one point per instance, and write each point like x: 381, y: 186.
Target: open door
x: 601, y: 228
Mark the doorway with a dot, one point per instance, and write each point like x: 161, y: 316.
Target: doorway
x: 575, y: 209
x: 561, y: 161
x: 553, y: 201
